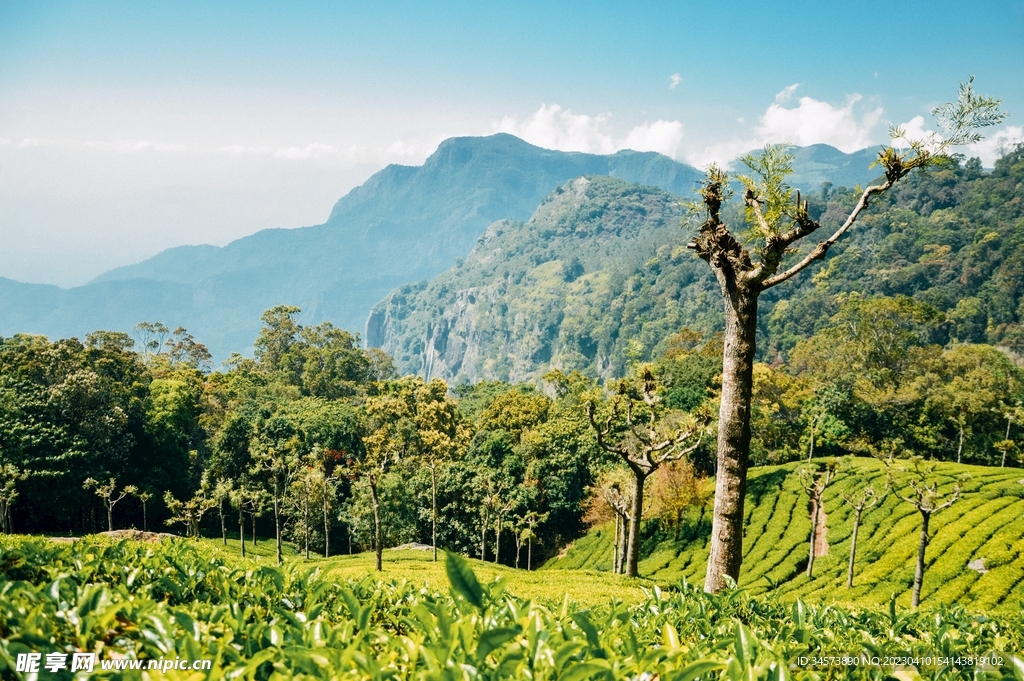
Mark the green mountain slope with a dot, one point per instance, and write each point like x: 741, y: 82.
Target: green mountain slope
x: 404, y: 224
x: 987, y: 523
x: 563, y: 290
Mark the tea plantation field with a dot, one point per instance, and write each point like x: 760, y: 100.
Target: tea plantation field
x: 130, y: 602
x: 986, y: 523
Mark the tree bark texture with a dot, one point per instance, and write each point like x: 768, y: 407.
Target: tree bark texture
x: 915, y: 598
x: 853, y: 548
x: 733, y: 435
x: 633, y: 544
x: 378, y: 539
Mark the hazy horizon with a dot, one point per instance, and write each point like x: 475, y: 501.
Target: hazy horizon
x: 126, y: 129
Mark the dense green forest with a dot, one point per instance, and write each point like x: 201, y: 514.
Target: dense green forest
x: 600, y: 275
x: 905, y: 344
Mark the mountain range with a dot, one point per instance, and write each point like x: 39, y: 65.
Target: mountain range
x: 405, y: 224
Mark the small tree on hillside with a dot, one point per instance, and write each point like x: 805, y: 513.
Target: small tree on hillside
x: 143, y: 497
x: 190, y: 512
x: 276, y: 458
x: 645, y: 439
x: 814, y: 483
x: 923, y: 494
x: 862, y: 501
x: 778, y: 222
x: 10, y: 476
x: 221, y: 494
x: 106, y: 493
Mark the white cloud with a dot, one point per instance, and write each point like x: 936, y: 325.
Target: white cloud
x: 674, y: 80
x: 994, y: 146
x: 663, y: 137
x: 786, y: 93
x: 811, y: 121
x: 552, y: 127
x: 817, y: 122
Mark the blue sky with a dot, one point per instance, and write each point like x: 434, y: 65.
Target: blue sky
x: 129, y: 127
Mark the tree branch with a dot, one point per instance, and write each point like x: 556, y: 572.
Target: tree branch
x: 821, y: 248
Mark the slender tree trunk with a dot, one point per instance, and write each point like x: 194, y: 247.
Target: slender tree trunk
x: 144, y: 516
x: 726, y: 554
x: 305, y: 520
x: 810, y: 451
x: 241, y: 529
x: 519, y: 550
x: 327, y: 527
x: 915, y: 598
x: 110, y: 517
x: 960, y: 445
x: 433, y: 509
x: 349, y: 538
x: 816, y: 504
x: 277, y: 522
x: 1006, y: 449
x: 483, y: 535
x: 223, y: 526
x: 253, y: 516
x: 378, y: 539
x: 853, y: 546
x: 497, y: 537
x: 529, y: 554
x: 615, y: 546
x: 633, y: 548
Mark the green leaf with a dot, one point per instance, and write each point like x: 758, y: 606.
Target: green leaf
x: 1017, y: 664
x: 583, y: 621
x: 462, y: 579
x: 493, y: 639
x: 584, y: 670
x: 695, y: 669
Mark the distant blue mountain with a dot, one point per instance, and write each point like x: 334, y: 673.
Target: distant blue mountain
x: 404, y: 224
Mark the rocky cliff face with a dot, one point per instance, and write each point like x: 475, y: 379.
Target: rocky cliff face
x: 553, y: 292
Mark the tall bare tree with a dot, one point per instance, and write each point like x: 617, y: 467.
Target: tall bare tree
x: 864, y: 500
x: 778, y: 222
x: 923, y: 493
x: 644, y: 439
x: 814, y: 483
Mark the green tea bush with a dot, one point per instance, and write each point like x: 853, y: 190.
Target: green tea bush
x: 141, y: 601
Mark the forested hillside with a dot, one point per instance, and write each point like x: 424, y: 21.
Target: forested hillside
x: 584, y: 293
x: 403, y: 225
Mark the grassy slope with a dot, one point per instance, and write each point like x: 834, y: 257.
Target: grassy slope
x: 586, y: 587
x: 986, y: 523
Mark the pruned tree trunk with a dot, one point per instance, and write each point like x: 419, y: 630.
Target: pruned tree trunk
x: 816, y: 509
x: 433, y: 509
x: 960, y: 443
x: 497, y: 538
x: 733, y: 435
x: 853, y: 547
x: 144, y: 511
x: 277, y: 520
x: 529, y: 554
x: 483, y: 534
x: 633, y: 544
x: 378, y: 538
x: 327, y: 526
x: 241, y: 530
x: 253, y: 516
x: 915, y: 598
x: 615, y: 546
x: 110, y: 517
